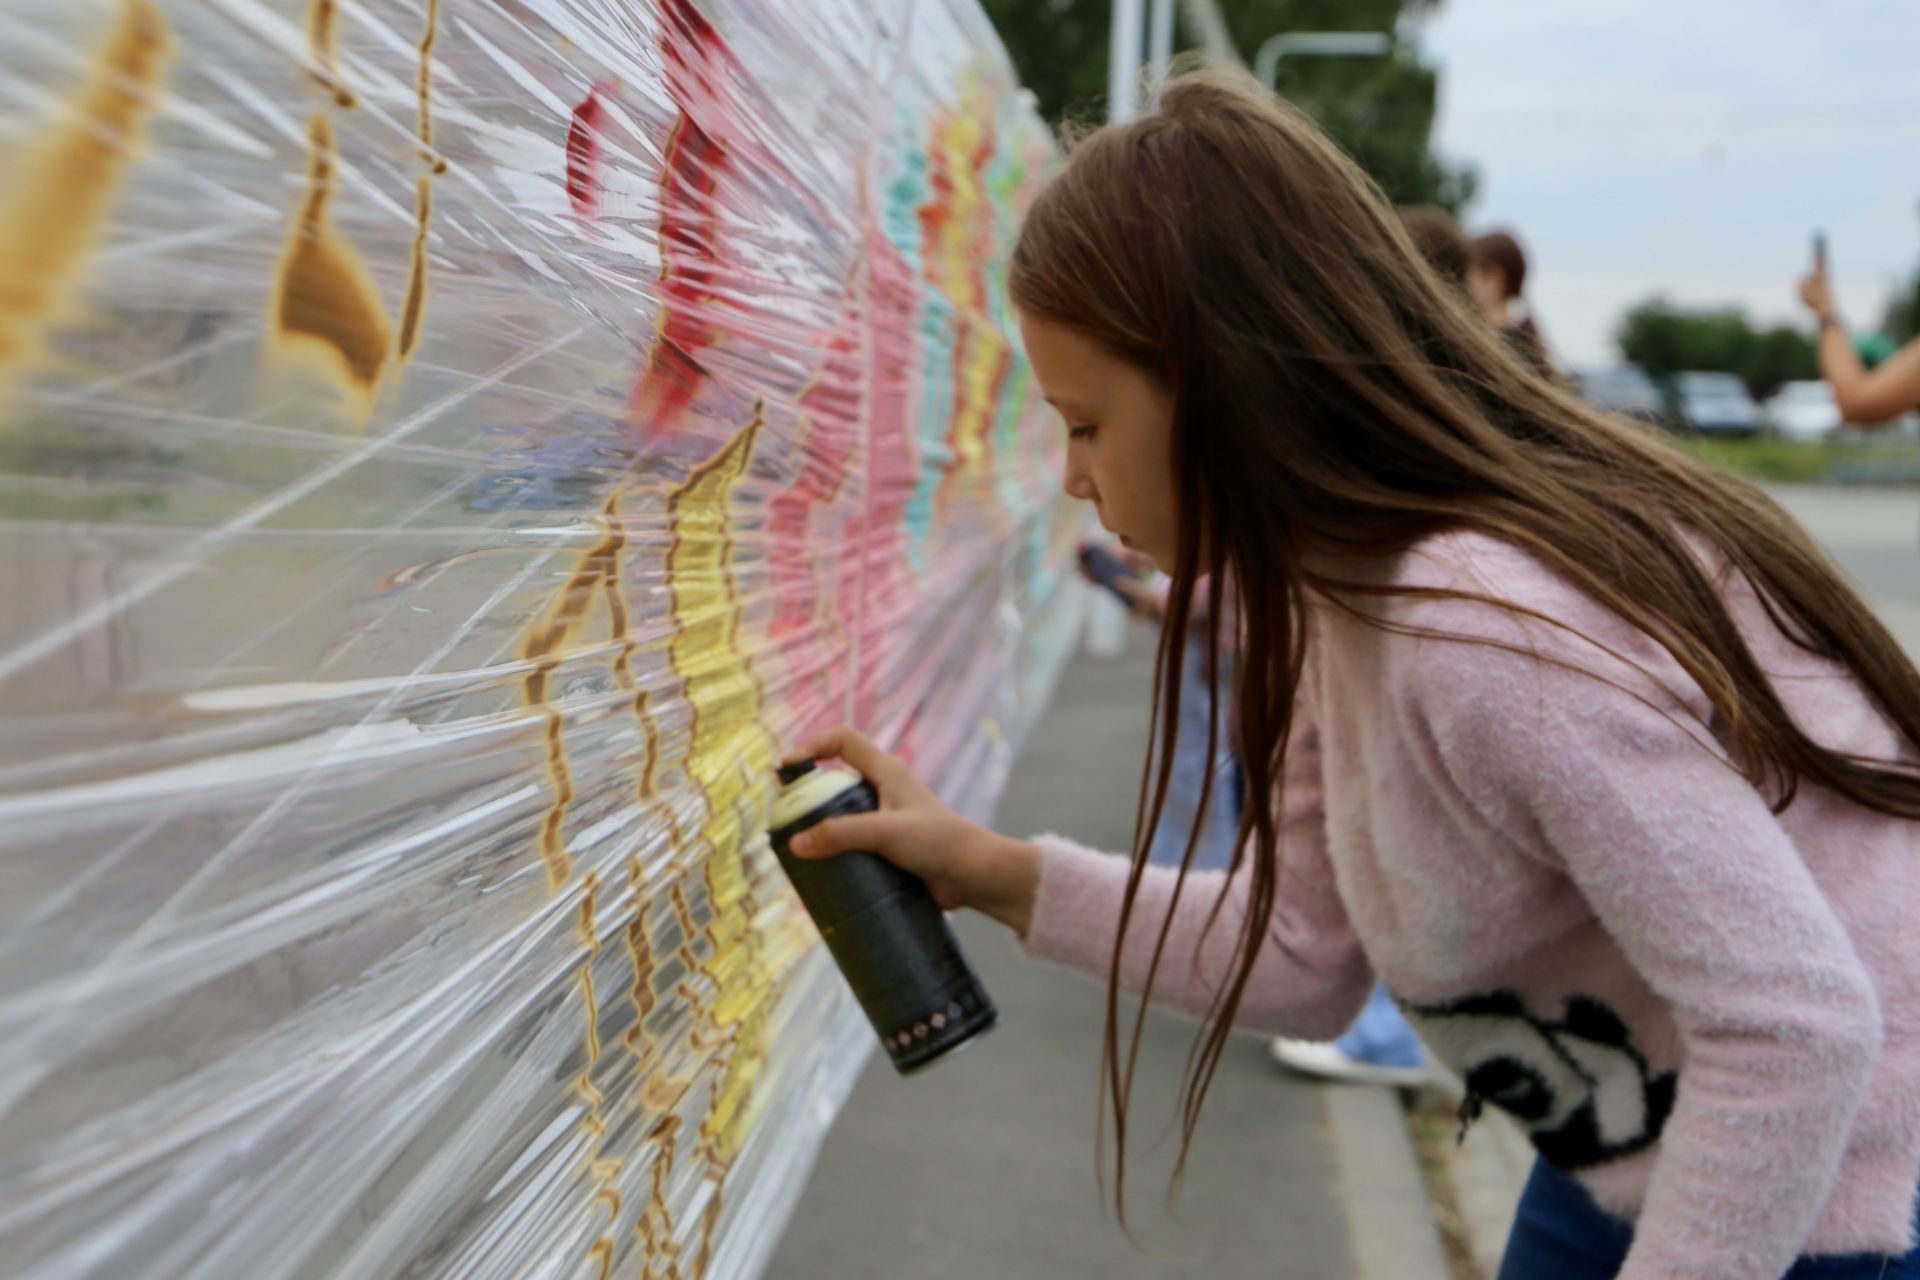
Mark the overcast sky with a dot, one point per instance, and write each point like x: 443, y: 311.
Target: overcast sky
x: 1689, y: 147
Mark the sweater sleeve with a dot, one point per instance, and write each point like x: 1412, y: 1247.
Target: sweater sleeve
x: 1686, y: 866
x: 1310, y: 977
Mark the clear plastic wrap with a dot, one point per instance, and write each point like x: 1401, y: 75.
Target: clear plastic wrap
x: 445, y: 451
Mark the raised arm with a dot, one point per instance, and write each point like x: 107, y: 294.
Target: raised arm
x: 1866, y: 397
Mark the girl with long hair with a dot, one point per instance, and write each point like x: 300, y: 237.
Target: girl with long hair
x: 1582, y: 748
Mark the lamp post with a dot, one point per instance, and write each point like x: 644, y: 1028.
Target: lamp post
x: 1160, y: 43
x: 1324, y: 44
x: 1125, y: 57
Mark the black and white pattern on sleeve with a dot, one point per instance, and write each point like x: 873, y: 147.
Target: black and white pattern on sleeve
x: 1577, y: 1084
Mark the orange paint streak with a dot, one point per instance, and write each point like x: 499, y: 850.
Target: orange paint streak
x: 544, y: 647
x: 325, y: 301
x: 655, y: 1227
x: 640, y: 947
x: 683, y: 915
x: 645, y: 788
x: 416, y: 299
x: 423, y: 127
x: 593, y: 1027
x: 709, y: 1219
x: 323, y: 40
x: 552, y: 843
x: 416, y: 302
x: 58, y: 197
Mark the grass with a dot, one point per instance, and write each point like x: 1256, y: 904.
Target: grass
x: 1434, y: 1127
x: 1890, y: 460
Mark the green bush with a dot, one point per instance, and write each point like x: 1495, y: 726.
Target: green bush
x: 1781, y: 461
x: 1894, y: 460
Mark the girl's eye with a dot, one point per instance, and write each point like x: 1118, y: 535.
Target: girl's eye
x: 1080, y: 433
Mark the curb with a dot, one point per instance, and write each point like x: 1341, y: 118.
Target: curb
x: 1388, y: 1216
x: 1489, y: 1170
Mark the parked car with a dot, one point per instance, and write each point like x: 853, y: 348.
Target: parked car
x: 1715, y: 404
x: 1803, y: 410
x: 1624, y: 390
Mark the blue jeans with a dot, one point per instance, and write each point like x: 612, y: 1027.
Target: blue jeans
x: 1381, y: 1037
x: 1190, y: 769
x: 1560, y: 1234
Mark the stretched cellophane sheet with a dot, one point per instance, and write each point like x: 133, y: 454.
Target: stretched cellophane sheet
x: 447, y: 451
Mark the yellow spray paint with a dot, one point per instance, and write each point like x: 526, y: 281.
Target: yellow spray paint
x: 730, y: 755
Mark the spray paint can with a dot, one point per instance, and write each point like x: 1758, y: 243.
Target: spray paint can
x: 887, y: 934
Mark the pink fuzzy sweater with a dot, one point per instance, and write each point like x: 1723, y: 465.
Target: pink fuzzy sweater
x: 1708, y: 1013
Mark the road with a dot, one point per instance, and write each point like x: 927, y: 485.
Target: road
x: 1874, y: 534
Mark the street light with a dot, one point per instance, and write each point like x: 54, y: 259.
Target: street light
x: 1123, y: 61
x: 1326, y: 44
x: 1160, y: 43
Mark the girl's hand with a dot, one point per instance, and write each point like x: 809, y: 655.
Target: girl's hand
x: 964, y: 865
x: 1817, y: 293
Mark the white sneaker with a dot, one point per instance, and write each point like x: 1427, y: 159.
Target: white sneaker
x: 1328, y: 1063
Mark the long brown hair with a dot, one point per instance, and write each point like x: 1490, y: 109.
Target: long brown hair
x: 1333, y: 392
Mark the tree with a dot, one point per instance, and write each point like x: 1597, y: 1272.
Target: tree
x: 1901, y: 322
x: 1059, y: 49
x: 1379, y: 109
x: 1665, y: 339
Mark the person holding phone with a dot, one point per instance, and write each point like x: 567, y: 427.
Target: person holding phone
x: 1866, y: 397
x: 1576, y: 742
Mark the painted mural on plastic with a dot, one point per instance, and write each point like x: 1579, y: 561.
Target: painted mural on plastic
x: 445, y: 451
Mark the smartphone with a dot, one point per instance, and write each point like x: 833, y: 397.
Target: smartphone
x: 1106, y: 569
x: 1820, y: 252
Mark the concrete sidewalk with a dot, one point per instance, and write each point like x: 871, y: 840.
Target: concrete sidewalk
x: 985, y: 1166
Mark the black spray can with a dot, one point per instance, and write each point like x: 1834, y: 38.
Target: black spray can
x: 885, y: 931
